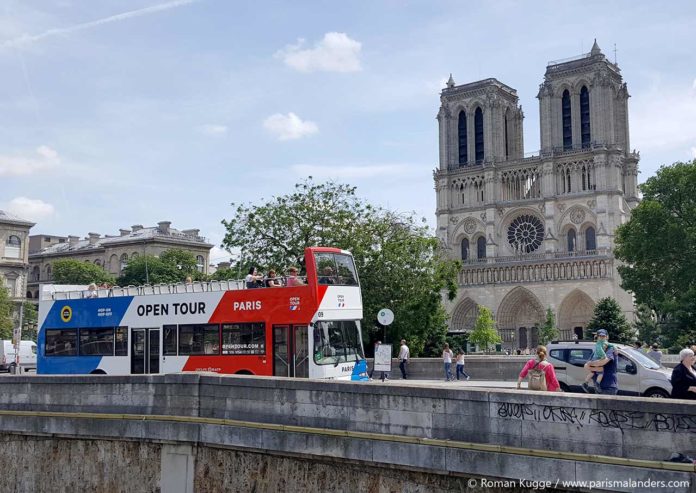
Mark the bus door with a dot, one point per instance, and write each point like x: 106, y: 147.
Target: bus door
x: 145, y: 351
x: 290, y: 351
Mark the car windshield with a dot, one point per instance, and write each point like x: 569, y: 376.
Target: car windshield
x: 641, y: 358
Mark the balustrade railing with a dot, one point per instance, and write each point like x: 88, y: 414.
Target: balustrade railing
x: 536, y: 257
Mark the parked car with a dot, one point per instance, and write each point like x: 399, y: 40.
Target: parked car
x: 637, y: 374
x: 27, y: 355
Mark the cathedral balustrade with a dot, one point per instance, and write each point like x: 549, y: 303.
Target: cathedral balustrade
x: 543, y: 267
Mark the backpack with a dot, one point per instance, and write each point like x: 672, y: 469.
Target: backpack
x: 537, y: 378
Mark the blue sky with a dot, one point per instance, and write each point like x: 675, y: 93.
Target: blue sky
x: 122, y: 112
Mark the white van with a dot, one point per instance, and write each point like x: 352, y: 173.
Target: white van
x: 636, y: 373
x: 27, y: 355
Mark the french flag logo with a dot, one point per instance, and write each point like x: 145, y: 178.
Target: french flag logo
x: 294, y: 308
x: 341, y: 305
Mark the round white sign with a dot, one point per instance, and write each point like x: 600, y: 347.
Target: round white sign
x: 385, y: 316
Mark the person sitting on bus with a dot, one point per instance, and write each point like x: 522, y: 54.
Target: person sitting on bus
x: 292, y: 279
x: 92, y: 291
x: 272, y: 281
x: 328, y: 277
x: 253, y: 279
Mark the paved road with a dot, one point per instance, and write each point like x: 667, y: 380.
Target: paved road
x: 458, y: 384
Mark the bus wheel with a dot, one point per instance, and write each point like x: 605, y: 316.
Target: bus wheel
x: 97, y: 372
x: 243, y: 372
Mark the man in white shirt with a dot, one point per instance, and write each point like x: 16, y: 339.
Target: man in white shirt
x: 404, y: 354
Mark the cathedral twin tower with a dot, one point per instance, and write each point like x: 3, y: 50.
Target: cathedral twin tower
x: 536, y: 232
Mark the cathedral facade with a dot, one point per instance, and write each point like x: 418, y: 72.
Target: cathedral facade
x: 536, y: 232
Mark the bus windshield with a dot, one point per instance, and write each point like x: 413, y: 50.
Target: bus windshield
x: 335, y: 268
x: 337, y: 342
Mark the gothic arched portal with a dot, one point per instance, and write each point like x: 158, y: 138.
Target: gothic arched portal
x: 575, y: 312
x: 464, y: 316
x: 518, y: 315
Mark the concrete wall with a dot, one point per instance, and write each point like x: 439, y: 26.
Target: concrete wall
x: 409, y: 428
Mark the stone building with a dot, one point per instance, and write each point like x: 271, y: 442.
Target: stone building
x: 112, y: 253
x: 14, y: 256
x: 536, y: 232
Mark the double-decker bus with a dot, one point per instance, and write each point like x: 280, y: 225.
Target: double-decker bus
x: 307, y: 330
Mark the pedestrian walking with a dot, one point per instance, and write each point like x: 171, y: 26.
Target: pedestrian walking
x: 404, y: 354
x: 447, y: 359
x: 460, y: 365
x: 542, y: 375
x: 684, y: 376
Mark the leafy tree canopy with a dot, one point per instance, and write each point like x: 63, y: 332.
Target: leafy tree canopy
x: 658, y: 248
x: 398, y: 261
x: 608, y: 316
x: 170, y: 267
x: 71, y: 271
x: 548, y: 332
x: 6, y: 321
x: 484, y: 333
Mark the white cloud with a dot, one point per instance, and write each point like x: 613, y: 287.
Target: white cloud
x: 356, y: 171
x: 214, y: 130
x: 289, y: 127
x: 28, y: 39
x: 693, y: 152
x: 335, y: 53
x: 20, y: 165
x: 662, y: 118
x: 32, y: 209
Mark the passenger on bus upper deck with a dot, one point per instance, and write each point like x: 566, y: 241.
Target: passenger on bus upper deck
x: 328, y: 277
x: 253, y: 279
x: 272, y: 281
x: 292, y: 279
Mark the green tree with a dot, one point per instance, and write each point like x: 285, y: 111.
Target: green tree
x: 170, y: 267
x: 71, y: 271
x: 31, y: 316
x: 658, y: 248
x: 6, y: 320
x: 484, y: 333
x: 548, y: 331
x: 646, y: 325
x: 608, y: 316
x: 398, y: 261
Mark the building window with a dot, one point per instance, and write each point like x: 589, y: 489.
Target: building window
x: 481, y: 247
x: 567, y: 122
x: 585, y: 116
x: 124, y: 261
x: 525, y: 233
x: 463, y: 149
x: 11, y: 287
x: 13, y: 247
x: 465, y: 249
x: 571, y: 240
x: 49, y: 273
x: 590, y: 239
x: 200, y: 263
x: 478, y: 135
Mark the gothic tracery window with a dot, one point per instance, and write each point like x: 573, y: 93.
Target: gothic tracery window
x: 481, y: 247
x: 585, y: 116
x: 590, y: 239
x: 463, y: 150
x: 465, y: 249
x: 567, y: 122
x: 525, y: 233
x: 571, y: 240
x: 478, y: 135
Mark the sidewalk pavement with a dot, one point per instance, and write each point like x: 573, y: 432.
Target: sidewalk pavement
x: 458, y: 384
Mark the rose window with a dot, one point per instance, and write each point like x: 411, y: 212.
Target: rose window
x: 525, y: 233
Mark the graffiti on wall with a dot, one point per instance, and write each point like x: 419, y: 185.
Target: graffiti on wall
x: 622, y: 420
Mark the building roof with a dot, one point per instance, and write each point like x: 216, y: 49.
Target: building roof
x: 6, y: 217
x: 132, y: 237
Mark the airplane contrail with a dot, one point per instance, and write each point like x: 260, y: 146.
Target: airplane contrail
x: 28, y: 39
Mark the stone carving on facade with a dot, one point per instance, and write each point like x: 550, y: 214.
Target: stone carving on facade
x: 542, y: 208
x: 602, y: 231
x: 491, y: 241
x: 561, y: 207
x: 549, y: 234
x: 454, y: 219
x: 577, y: 215
x: 469, y: 225
x: 483, y: 217
x: 501, y: 211
x: 592, y: 204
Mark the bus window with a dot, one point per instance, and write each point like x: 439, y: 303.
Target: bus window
x: 335, y: 268
x: 121, y: 341
x: 97, y: 342
x: 170, y: 340
x: 60, y: 342
x: 244, y: 339
x: 336, y: 342
x: 199, y: 339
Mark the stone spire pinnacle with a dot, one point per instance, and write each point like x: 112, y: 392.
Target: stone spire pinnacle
x: 450, y: 82
x: 595, y: 49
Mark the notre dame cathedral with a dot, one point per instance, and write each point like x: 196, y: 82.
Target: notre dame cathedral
x: 536, y: 231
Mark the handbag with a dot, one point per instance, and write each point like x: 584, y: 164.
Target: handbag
x: 537, y: 378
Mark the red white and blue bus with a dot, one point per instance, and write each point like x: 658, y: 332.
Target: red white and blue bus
x: 308, y: 330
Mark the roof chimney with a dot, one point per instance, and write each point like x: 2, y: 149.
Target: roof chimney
x: 223, y: 265
x: 124, y: 232
x: 136, y: 227
x: 163, y: 226
x: 93, y: 238
x: 73, y: 240
x: 191, y: 232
